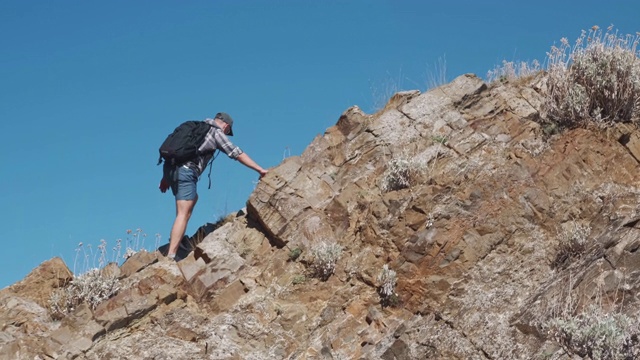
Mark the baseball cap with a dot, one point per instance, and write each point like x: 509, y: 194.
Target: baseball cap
x: 226, y: 118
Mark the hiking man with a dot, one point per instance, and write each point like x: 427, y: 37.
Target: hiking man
x: 183, y: 178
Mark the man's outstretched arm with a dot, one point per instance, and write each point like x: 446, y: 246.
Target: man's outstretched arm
x: 248, y: 162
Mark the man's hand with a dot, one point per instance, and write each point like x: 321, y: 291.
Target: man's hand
x: 164, y: 185
x: 263, y: 172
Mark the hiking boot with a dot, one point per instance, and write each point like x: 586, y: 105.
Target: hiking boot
x: 175, y: 257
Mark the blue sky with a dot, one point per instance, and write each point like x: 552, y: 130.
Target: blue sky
x: 89, y: 90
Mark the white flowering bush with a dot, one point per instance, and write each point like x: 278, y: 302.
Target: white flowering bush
x: 596, y: 334
x: 325, y: 257
x: 387, y: 284
x: 92, y: 287
x: 597, y: 79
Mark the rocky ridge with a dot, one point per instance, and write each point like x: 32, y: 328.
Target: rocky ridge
x: 474, y: 239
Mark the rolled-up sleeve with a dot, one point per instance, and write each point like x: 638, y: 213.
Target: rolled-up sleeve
x: 226, y: 146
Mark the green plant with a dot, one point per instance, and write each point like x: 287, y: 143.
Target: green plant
x: 325, y: 257
x: 550, y: 129
x: 596, y: 334
x: 294, y: 254
x: 299, y: 279
x: 442, y: 140
x: 92, y: 288
x: 393, y: 301
x: 596, y: 80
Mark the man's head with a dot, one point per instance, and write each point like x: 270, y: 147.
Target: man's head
x: 225, y: 118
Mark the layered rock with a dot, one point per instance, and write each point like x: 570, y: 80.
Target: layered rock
x: 473, y: 237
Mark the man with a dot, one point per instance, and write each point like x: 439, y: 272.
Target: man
x: 183, y: 179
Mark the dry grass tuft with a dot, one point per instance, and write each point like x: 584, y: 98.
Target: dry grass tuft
x: 511, y: 70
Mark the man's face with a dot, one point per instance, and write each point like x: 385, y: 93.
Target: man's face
x: 226, y: 129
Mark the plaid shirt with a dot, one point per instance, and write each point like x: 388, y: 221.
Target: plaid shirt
x: 215, y: 139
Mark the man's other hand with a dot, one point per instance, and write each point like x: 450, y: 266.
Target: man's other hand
x: 164, y: 185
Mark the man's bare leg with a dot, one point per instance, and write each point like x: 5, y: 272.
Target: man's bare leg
x: 184, y: 208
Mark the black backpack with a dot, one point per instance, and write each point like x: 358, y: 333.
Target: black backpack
x: 183, y: 143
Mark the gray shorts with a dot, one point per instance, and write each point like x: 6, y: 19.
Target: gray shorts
x: 184, y: 184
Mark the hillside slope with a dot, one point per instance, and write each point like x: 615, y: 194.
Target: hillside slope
x: 458, y: 190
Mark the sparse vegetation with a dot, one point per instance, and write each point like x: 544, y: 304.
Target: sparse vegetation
x: 387, y: 284
x: 86, y: 258
x: 511, y: 70
x: 572, y: 242
x: 294, y: 254
x: 401, y: 173
x: 382, y: 94
x: 325, y: 257
x: 299, y: 279
x: 92, y: 287
x: 442, y: 140
x: 438, y: 76
x: 595, y: 80
x: 596, y: 334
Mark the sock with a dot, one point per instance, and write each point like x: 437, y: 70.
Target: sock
x: 171, y: 256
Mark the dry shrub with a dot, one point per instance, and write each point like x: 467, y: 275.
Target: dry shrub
x: 325, y: 257
x: 403, y: 171
x: 596, y: 334
x: 387, y: 280
x: 573, y: 243
x: 92, y: 287
x: 596, y: 80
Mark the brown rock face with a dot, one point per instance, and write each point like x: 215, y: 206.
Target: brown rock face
x: 457, y: 190
x: 39, y: 284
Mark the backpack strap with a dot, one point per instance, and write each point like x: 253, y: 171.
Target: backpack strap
x: 215, y: 154
x: 210, y: 165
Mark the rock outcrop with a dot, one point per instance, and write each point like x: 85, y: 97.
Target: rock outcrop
x: 474, y: 235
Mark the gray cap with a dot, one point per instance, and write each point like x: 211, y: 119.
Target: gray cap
x: 226, y: 118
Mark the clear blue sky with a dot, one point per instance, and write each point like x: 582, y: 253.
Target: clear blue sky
x: 89, y: 89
